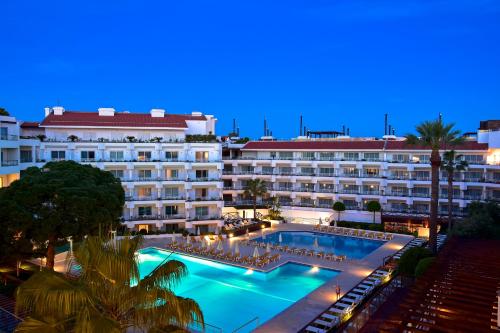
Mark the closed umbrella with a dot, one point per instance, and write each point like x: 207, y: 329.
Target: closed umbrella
x: 256, y: 252
x: 263, y: 234
x: 280, y: 239
x: 248, y: 233
x: 219, y: 246
x: 197, y: 231
x: 315, y: 244
x: 203, y: 245
x: 335, y: 223
x: 320, y: 221
x: 268, y: 248
x: 236, y: 249
x: 188, y: 240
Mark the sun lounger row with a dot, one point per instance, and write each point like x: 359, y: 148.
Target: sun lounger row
x: 353, y: 232
x: 441, y: 239
x: 417, y: 242
x: 298, y: 251
x: 260, y: 261
x: 334, y: 315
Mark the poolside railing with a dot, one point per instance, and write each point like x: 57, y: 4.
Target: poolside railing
x: 198, y: 327
x: 246, y: 326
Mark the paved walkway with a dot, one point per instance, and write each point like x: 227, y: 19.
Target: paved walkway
x: 303, y: 311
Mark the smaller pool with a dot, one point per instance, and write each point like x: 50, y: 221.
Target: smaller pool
x: 352, y: 247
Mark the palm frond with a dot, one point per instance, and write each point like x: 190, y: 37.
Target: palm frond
x: 167, y: 275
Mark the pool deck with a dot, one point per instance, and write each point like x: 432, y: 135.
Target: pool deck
x: 352, y: 271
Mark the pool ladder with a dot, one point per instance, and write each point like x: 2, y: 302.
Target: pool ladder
x: 245, y: 325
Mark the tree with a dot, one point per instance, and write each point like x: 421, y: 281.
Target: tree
x: 108, y: 295
x: 4, y: 112
x: 255, y: 188
x: 72, y: 138
x: 339, y: 207
x: 275, y: 209
x: 63, y: 199
x: 452, y: 163
x: 41, y: 137
x: 410, y: 259
x: 374, y: 207
x: 434, y: 135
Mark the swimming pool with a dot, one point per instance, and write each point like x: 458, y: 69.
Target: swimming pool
x: 352, y: 247
x: 230, y: 296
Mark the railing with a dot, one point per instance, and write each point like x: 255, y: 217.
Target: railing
x: 10, y: 163
x: 204, y: 218
x: 154, y: 217
x: 8, y: 321
x: 205, y: 199
x: 246, y: 325
x: 9, y: 137
x: 198, y: 327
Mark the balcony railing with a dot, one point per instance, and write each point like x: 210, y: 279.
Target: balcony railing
x: 10, y: 163
x: 9, y: 137
x: 154, y: 217
x: 205, y: 199
x: 204, y: 218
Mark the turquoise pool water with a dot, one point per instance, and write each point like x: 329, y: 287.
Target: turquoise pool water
x: 230, y: 296
x: 352, y: 247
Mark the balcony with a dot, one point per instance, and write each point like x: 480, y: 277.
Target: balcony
x: 154, y: 217
x: 326, y: 174
x: 474, y: 197
x: 7, y: 163
x: 204, y: 199
x: 326, y: 190
x: 397, y: 193
x: 203, y: 179
x: 204, y: 218
x: 9, y: 137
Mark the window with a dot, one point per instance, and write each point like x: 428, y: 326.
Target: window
x: 370, y: 189
x: 351, y: 156
x: 144, y: 174
x: 286, y: 155
x: 144, y: 192
x: 266, y: 170
x: 117, y: 173
x: 327, y: 156
x: 201, y: 156
x: 273, y: 155
x: 145, y: 211
x: 285, y: 170
x: 421, y: 191
x: 144, y: 156
x: 201, y: 193
x: 307, y: 187
x: 371, y: 156
x: 57, y: 155
x: 422, y: 175
x: 3, y: 133
x: 116, y: 155
x: 285, y: 186
x: 322, y: 202
x: 399, y: 190
x: 26, y: 156
x: 171, y: 192
x: 201, y: 212
x: 172, y: 155
x: 172, y: 173
x: 308, y: 155
x: 473, y: 159
x: 87, y: 155
x: 421, y: 158
x: 307, y: 171
x: 201, y: 174
x: 246, y: 169
x: 400, y: 158
x: 171, y: 210
x: 371, y: 172
x: 323, y: 187
x: 350, y: 171
x: 326, y: 171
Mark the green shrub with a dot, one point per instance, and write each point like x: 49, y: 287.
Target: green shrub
x: 409, y: 260
x: 422, y: 265
x: 483, y: 221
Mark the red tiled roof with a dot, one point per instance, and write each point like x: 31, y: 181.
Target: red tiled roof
x: 30, y: 124
x: 72, y: 118
x: 347, y: 145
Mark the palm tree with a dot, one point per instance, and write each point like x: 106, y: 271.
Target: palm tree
x: 451, y: 164
x: 434, y: 135
x: 108, y: 295
x: 254, y: 189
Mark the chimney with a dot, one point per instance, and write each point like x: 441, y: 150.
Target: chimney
x: 196, y: 113
x: 157, y: 113
x: 300, y: 128
x: 385, y: 124
x: 106, y: 112
x: 58, y: 110
x: 47, y: 112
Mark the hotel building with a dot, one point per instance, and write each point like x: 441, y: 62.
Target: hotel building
x: 177, y: 175
x: 170, y: 165
x: 309, y: 175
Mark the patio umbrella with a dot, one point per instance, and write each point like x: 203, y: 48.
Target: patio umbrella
x: 236, y: 249
x: 268, y: 248
x: 256, y: 252
x: 219, y: 246
x: 315, y: 244
x: 280, y: 239
x: 335, y: 223
x: 197, y: 231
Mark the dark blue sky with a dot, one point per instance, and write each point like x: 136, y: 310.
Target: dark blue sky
x: 336, y: 62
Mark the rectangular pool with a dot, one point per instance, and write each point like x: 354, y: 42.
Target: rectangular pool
x: 352, y: 247
x: 230, y: 296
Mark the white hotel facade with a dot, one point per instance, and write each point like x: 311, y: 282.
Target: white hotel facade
x: 172, y: 180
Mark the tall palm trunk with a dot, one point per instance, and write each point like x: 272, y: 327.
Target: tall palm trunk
x: 450, y: 201
x: 435, y: 164
x: 255, y: 207
x: 51, y: 252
